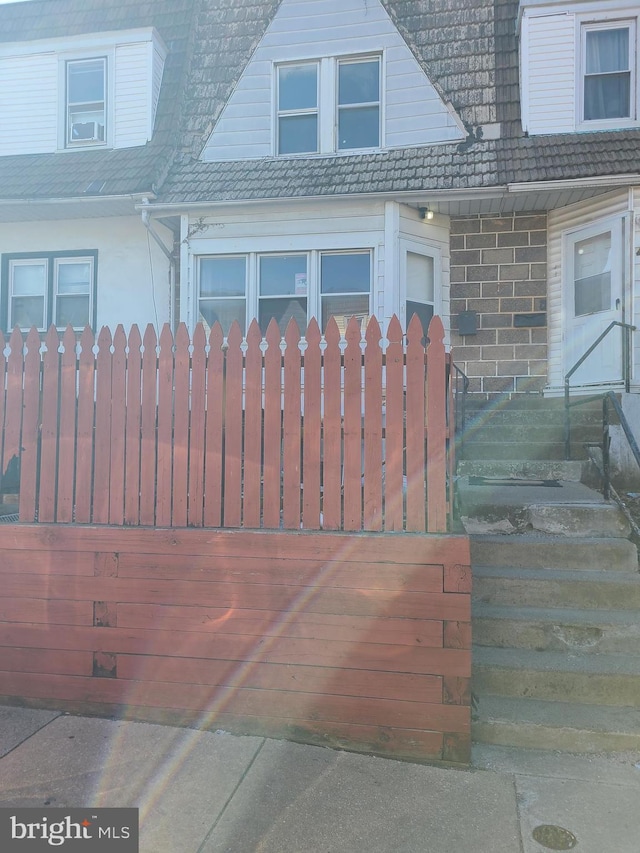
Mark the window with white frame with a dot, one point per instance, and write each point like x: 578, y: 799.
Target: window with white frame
x: 283, y: 286
x: 49, y: 288
x: 86, y: 102
x: 420, y: 288
x: 608, y: 71
x: 328, y: 105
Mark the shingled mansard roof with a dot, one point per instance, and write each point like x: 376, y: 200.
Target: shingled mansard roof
x: 123, y: 171
x: 468, y: 49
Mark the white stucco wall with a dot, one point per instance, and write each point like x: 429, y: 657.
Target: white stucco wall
x: 133, y: 273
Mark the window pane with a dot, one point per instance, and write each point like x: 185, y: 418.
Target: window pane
x: 344, y: 273
x: 359, y: 82
x: 222, y: 276
x: 27, y: 311
x: 86, y: 82
x: 607, y: 51
x: 74, y: 277
x: 592, y: 271
x: 607, y: 96
x: 420, y: 285
x: 424, y: 312
x: 223, y: 311
x: 298, y: 87
x: 72, y: 310
x: 343, y: 308
x: 29, y: 279
x: 281, y: 275
x: 359, y: 127
x: 283, y: 310
x: 298, y: 134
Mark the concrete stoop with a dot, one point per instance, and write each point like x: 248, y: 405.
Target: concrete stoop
x: 556, y: 618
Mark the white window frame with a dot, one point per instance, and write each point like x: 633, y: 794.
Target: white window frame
x: 69, y: 142
x: 328, y: 106
x: 252, y: 282
x: 589, y: 25
x: 356, y: 60
x: 408, y: 247
x: 51, y: 262
x: 280, y: 113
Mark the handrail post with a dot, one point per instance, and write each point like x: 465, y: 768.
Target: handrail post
x: 606, y: 442
x: 567, y: 421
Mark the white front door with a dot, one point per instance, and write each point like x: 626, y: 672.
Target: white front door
x: 593, y: 298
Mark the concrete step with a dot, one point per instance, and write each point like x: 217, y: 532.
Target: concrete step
x: 557, y: 629
x: 548, y: 588
x: 544, y: 469
x: 561, y: 726
x: 536, y: 550
x: 555, y: 676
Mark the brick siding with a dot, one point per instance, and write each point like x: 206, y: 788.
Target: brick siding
x: 499, y: 270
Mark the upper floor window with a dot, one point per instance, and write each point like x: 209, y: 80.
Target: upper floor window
x: 608, y: 79
x: 86, y: 102
x: 41, y: 289
x: 328, y: 105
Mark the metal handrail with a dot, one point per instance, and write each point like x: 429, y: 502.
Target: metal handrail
x: 460, y: 406
x: 626, y: 374
x: 607, y: 398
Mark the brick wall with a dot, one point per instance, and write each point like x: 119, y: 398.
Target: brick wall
x: 499, y: 270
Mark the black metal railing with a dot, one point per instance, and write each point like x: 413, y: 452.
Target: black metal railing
x: 460, y: 390
x: 627, y: 331
x: 610, y: 399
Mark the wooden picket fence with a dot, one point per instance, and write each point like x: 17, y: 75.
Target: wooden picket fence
x: 297, y: 433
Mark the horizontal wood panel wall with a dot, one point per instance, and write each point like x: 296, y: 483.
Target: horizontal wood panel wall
x: 317, y: 433
x: 361, y: 641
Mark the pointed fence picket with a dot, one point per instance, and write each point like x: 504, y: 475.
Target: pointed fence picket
x: 320, y: 432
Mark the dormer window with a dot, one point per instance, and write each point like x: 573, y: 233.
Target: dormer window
x: 607, y: 54
x: 86, y: 102
x: 328, y: 105
x: 298, y: 108
x: 359, y: 103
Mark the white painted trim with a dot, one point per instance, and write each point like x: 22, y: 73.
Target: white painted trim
x: 391, y: 257
x: 84, y: 42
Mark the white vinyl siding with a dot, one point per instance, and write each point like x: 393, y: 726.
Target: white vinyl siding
x: 550, y: 75
x: 561, y: 221
x: 131, y: 96
x: 33, y: 89
x: 29, y: 99
x: 413, y: 112
x: 552, y: 63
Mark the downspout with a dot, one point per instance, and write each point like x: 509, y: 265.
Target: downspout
x: 146, y: 221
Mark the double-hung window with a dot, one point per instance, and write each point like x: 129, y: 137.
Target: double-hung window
x: 41, y: 289
x: 298, y: 108
x: 328, y: 105
x: 86, y: 102
x: 608, y: 79
x: 282, y: 286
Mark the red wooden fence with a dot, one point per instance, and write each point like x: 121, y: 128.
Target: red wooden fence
x: 314, y: 433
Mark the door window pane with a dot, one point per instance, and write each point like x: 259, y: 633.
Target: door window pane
x: 283, y: 286
x: 222, y: 288
x: 592, y: 274
x: 607, y: 82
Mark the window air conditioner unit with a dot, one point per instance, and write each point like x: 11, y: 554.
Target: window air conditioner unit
x: 87, y: 131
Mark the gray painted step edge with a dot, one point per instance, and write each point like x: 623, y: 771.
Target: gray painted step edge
x: 563, y: 726
x: 532, y: 550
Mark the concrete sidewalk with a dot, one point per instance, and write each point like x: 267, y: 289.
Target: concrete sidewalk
x: 212, y: 792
